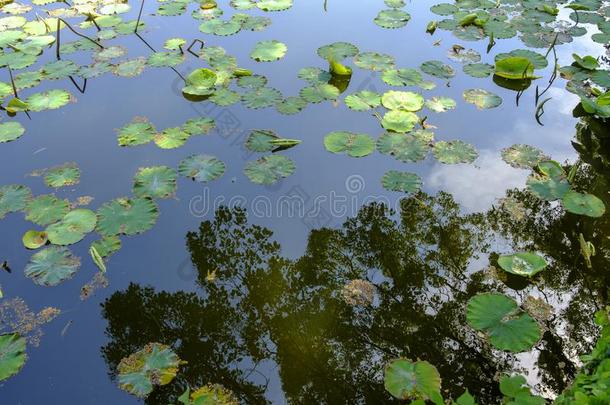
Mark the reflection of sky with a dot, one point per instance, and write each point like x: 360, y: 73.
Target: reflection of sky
x: 84, y: 132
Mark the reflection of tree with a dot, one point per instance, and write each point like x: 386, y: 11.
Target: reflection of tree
x: 255, y: 305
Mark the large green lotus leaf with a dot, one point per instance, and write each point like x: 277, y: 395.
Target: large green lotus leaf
x: 274, y: 5
x: 522, y: 264
x: 291, y: 105
x: 61, y: 176
x: 52, y: 266
x: 401, y: 181
x: 13, y: 198
x: 136, y: 133
x: 402, y: 100
x: 438, y: 69
x: 440, y: 104
x: 406, y: 379
x: 252, y: 82
x: 537, y: 60
x: 507, y: 326
x: 201, y: 168
x: 444, y: 9
x: 262, y: 97
x: 26, y: 80
x: 174, y: 44
x: 9, y: 131
x: 225, y: 97
x: 583, y: 204
x: 220, y: 27
x: 107, y: 245
x: 94, y: 70
x: 405, y: 147
x: 200, y: 81
x: 110, y: 52
x: 478, y: 70
x: 452, y: 152
x: 337, y: 51
x: 172, y: 8
x: 374, y: 61
x: 515, y: 68
x: 72, y: 227
x: 256, y: 23
x: 313, y: 75
x: 198, y: 126
x: 171, y: 138
x: 459, y: 54
x: 399, y: 121
x: 551, y: 184
x: 17, y: 60
x: 517, y: 392
x: 363, y: 100
x: 482, y: 99
x: 46, y: 209
x: 269, y: 169
x: 155, y: 182
x: 261, y: 140
x: 402, y: 77
x: 126, y: 216
x: 319, y: 92
x: 130, y: 68
x: 60, y: 69
x: 392, y: 18
x: 12, y: 355
x: 48, y: 100
x: 34, y: 239
x: 355, y: 145
x: 155, y: 364
x: 165, y: 59
x: 601, y: 78
x: 523, y: 156
x: 268, y: 51
x: 499, y: 29
x: 11, y: 37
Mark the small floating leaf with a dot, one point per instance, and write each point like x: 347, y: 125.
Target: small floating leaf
x: 136, y: 133
x: 399, y: 121
x: 269, y: 169
x: 46, y: 209
x: 261, y: 97
x: 392, y: 18
x: 9, y: 131
x: 291, y: 105
x: 537, y: 60
x: 355, y: 145
x: 479, y: 70
x: 523, y: 156
x: 12, y: 354
x: 583, y: 204
x: 363, y: 100
x: 507, y: 326
x: 49, y: 100
x: 171, y: 138
x: 34, y: 239
x: 522, y: 264
x: 274, y: 5
x: 337, y: 51
x: 72, y: 227
x: 515, y: 68
x: 405, y: 147
x: 482, y: 99
x: 452, y: 152
x: 155, y: 182
x: 440, y: 104
x: 61, y: 176
x: 374, y: 61
x: 201, y: 168
x: 13, y: 198
x: 268, y: 51
x: 107, y: 245
x: 402, y: 77
x: 97, y: 258
x: 438, y: 69
x: 130, y: 68
x: 126, y: 216
x: 319, y: 92
x: 401, y: 181
x: 52, y: 266
x: 199, y: 82
x: 406, y: 379
x: 402, y: 100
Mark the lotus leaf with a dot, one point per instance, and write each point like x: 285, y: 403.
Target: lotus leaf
x: 12, y: 354
x: 406, y: 379
x: 34, y: 239
x: 355, y: 145
x: 374, y: 61
x: 482, y: 99
x: 126, y: 216
x: 291, y: 105
x: 155, y: 182
x: 319, y: 92
x: 13, y: 198
x: 201, y: 168
x: 401, y: 181
x: 392, y: 18
x: 479, y: 70
x: 261, y: 97
x: 583, y: 204
x: 130, y: 67
x: 363, y: 100
x: 440, y: 104
x: 198, y: 126
x: 269, y: 169
x: 274, y: 5
x: 72, y: 228
x: 438, y: 69
x: 136, y: 133
x: 171, y: 138
x: 399, y: 121
x: 405, y: 147
x: 268, y: 51
x: 452, y: 152
x: 52, y: 265
x: 402, y: 100
x: 46, y: 209
x: 402, y: 77
x: 61, y: 176
x: 49, y: 100
x: 523, y: 156
x: 9, y: 131
x: 107, y: 245
x: 525, y: 264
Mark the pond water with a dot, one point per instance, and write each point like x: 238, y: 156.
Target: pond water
x: 302, y: 290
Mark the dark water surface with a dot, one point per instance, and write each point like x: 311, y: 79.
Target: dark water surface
x: 273, y: 326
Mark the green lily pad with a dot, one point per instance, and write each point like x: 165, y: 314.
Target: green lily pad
x: 537, y: 60
x: 337, y: 51
x: 452, y: 152
x: 126, y: 216
x: 478, y: 70
x: 165, y: 59
x: 402, y: 77
x: 374, y: 61
x: 130, y: 68
x: 94, y: 70
x: 274, y: 5
x: 438, y: 69
x: 109, y: 53
x: 523, y: 156
x: 202, y: 168
x: 444, y: 9
x: 482, y: 99
x: 155, y: 182
x: 392, y: 18
x: 52, y: 266
x: 507, y: 327
x: 399, y: 121
x: 515, y: 68
x: 137, y: 132
x: 12, y: 355
x: 59, y: 69
x: 525, y: 264
x: 440, y: 104
x: 199, y: 82
x: 583, y: 204
x: 355, y: 145
x: 155, y: 364
x: 171, y: 138
x: 269, y: 169
x: 48, y: 100
x: 26, y: 80
x: 402, y: 100
x: 461, y: 55
x: 225, y: 97
x: 174, y: 44
x: 405, y: 147
x: 198, y: 126
x: 314, y: 75
x: 291, y: 105
x: 220, y: 27
x: 72, y: 228
x: 406, y: 379
x: 9, y: 131
x: 61, y: 176
x: 34, y: 239
x: 363, y: 100
x: 256, y: 23
x: 172, y: 8
x: 401, y: 181
x: 319, y: 92
x: 107, y: 245
x: 268, y: 51
x: 46, y: 209
x: 261, y: 97
x: 252, y: 82
x: 551, y: 184
x: 13, y: 198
